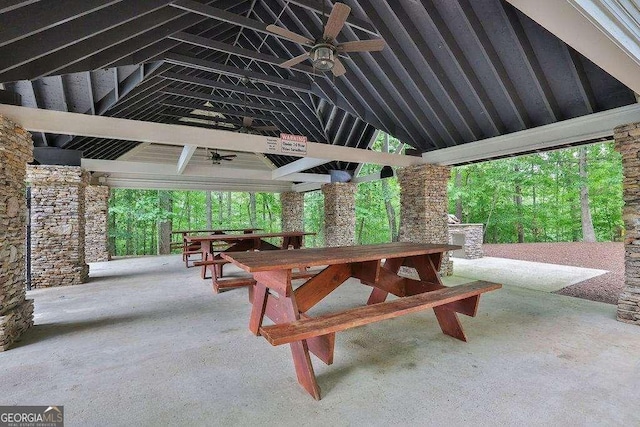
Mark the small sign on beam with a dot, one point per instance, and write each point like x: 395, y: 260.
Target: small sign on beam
x: 288, y: 144
x: 293, y: 144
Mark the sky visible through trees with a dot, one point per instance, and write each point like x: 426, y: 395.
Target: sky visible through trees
x: 542, y: 197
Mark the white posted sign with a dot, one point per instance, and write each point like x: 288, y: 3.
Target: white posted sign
x: 288, y: 144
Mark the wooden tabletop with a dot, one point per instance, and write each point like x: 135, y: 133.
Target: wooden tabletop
x: 230, y: 237
x: 215, y: 230
x: 311, y: 257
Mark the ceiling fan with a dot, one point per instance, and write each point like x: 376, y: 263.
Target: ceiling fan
x: 216, y: 158
x: 324, y: 51
x: 247, y: 127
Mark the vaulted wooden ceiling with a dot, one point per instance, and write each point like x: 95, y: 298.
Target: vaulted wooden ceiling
x: 453, y: 71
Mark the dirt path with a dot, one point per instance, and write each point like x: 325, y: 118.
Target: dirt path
x: 604, y: 256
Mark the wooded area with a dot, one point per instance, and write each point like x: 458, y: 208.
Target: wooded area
x: 567, y: 195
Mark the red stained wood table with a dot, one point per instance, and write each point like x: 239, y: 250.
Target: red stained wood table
x: 374, y: 265
x: 196, y: 247
x: 243, y: 243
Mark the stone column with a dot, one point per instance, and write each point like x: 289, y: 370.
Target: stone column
x: 16, y: 312
x: 96, y: 223
x: 292, y: 211
x: 57, y: 225
x: 627, y: 143
x: 339, y: 213
x: 424, y: 206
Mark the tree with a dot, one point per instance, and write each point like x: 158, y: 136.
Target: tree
x: 165, y: 204
x: 588, y: 233
x: 209, y: 210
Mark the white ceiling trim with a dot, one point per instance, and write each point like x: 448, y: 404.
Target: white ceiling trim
x: 160, y: 183
x: 199, y: 171
x: 185, y: 156
x: 585, y: 128
x: 297, y: 166
x: 38, y: 120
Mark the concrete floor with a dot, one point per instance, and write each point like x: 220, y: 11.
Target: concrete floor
x: 532, y: 275
x: 147, y: 343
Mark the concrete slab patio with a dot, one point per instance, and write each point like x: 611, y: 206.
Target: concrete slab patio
x: 147, y: 343
x: 531, y: 275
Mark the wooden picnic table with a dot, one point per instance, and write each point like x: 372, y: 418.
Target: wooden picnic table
x: 195, y: 248
x: 212, y: 260
x: 274, y: 297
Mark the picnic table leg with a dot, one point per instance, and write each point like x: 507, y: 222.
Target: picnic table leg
x: 380, y: 295
x: 427, y: 268
x: 287, y: 312
x: 300, y: 353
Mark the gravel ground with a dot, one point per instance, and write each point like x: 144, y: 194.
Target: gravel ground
x: 605, y: 256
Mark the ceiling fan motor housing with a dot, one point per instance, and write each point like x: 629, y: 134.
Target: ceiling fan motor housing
x: 323, y: 56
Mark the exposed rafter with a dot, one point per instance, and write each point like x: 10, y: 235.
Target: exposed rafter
x: 216, y: 84
x: 215, y: 67
x: 221, y: 100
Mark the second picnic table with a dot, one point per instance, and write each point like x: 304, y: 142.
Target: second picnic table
x: 274, y: 297
x: 213, y: 262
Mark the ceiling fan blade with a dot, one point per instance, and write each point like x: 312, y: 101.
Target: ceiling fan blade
x: 338, y: 68
x: 266, y: 128
x: 336, y: 20
x: 227, y: 158
x: 247, y: 122
x: 294, y: 61
x: 362, y: 46
x: 289, y: 35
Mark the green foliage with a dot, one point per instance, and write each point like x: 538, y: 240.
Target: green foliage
x: 549, y: 186
x: 533, y: 197
x: 134, y: 215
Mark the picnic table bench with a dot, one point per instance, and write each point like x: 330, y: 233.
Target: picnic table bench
x: 377, y: 266
x: 213, y: 262
x: 194, y: 248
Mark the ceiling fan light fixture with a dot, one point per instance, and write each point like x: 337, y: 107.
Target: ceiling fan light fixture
x: 322, y: 57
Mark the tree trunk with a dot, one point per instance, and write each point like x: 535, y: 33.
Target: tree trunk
x: 391, y: 212
x: 228, y: 206
x: 518, y: 201
x: 220, y: 207
x: 165, y: 205
x: 187, y: 209
x: 128, y: 246
x: 588, y: 233
x: 252, y: 210
x: 112, y: 226
x: 458, y: 185
x: 207, y: 196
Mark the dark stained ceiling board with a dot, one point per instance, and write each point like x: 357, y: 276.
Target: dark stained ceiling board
x: 452, y: 71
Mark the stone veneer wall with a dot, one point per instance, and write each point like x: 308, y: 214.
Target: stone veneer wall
x: 16, y: 312
x: 424, y: 207
x: 96, y: 223
x: 57, y: 225
x: 627, y: 142
x: 339, y: 213
x: 473, y: 236
x: 292, y: 211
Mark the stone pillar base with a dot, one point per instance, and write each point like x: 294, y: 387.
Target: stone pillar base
x: 292, y: 211
x: 423, y: 207
x: 339, y: 214
x: 14, y: 323
x: 629, y: 306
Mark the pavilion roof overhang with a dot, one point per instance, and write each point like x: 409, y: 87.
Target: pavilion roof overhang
x: 458, y: 81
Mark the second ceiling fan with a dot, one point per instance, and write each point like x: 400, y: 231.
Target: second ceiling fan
x: 324, y: 51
